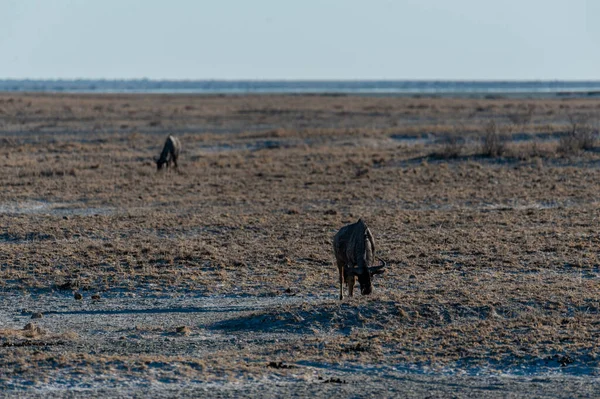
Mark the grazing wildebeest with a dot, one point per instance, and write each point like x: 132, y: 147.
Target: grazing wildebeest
x: 354, y: 249
x: 169, y: 153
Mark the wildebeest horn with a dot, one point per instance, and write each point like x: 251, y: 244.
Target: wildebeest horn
x: 377, y: 269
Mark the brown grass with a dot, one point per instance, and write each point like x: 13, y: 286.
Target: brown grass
x: 488, y: 259
x: 494, y: 142
x: 581, y: 136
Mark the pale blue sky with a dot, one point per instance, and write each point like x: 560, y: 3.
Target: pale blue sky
x: 308, y: 39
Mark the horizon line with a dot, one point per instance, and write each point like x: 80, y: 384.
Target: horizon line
x: 144, y: 79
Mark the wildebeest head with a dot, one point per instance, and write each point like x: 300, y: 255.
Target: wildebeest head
x: 364, y: 278
x: 160, y: 163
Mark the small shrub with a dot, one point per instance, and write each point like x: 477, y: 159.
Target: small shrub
x: 522, y: 117
x: 494, y: 143
x: 531, y: 150
x: 581, y: 137
x: 452, y: 147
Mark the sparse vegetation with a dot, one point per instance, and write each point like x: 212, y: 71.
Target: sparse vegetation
x: 491, y: 263
x: 580, y: 137
x: 452, y: 147
x: 494, y: 142
x: 522, y: 116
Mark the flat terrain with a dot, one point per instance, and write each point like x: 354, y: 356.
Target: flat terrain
x: 218, y: 279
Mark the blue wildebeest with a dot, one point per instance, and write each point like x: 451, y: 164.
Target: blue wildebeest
x: 354, y: 249
x: 170, y: 152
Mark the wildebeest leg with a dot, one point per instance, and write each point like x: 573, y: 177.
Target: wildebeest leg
x: 341, y: 270
x: 351, y: 281
x: 175, y: 161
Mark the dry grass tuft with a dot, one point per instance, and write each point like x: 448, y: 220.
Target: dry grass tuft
x: 452, y: 147
x: 533, y: 149
x: 183, y: 330
x: 522, y: 116
x: 581, y: 137
x: 494, y: 142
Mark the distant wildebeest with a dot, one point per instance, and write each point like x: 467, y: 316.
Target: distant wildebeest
x: 169, y: 153
x: 354, y: 249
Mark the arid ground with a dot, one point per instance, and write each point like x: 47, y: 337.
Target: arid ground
x: 218, y: 279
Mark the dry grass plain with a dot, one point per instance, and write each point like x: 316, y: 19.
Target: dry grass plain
x: 219, y: 278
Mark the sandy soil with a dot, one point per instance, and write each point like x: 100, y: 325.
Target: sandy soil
x: 218, y: 278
